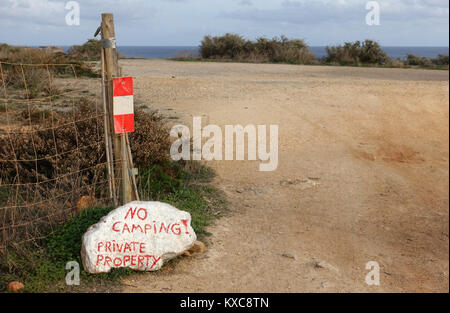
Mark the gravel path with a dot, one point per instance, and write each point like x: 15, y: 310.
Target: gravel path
x: 363, y: 176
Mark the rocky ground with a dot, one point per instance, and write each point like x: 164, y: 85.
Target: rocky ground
x: 363, y: 176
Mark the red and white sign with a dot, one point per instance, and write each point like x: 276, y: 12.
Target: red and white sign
x: 123, y: 108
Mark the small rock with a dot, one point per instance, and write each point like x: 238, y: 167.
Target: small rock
x: 239, y: 190
x: 168, y: 244
x: 15, y: 286
x: 198, y: 247
x: 325, y: 284
x: 289, y: 255
x: 257, y: 191
x: 85, y: 202
x: 325, y: 265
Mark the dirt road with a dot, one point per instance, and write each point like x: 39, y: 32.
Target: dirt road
x: 363, y: 176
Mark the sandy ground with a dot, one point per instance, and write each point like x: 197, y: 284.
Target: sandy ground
x: 363, y: 176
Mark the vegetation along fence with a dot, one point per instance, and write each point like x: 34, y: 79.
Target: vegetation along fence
x: 52, y: 148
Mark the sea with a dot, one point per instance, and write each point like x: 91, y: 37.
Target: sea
x: 149, y: 52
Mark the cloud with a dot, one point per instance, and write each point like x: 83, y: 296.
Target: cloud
x: 39, y: 11
x: 185, y: 22
x: 245, y: 2
x: 343, y: 12
x: 53, y: 12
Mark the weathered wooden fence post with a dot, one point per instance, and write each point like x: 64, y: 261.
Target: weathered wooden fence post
x: 112, y: 70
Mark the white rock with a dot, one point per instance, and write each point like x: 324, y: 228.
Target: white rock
x: 138, y: 235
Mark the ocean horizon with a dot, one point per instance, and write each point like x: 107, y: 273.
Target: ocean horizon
x: 152, y: 52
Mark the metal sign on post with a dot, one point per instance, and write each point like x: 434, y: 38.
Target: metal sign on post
x: 123, y: 105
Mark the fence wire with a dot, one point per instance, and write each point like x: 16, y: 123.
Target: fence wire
x: 52, y: 149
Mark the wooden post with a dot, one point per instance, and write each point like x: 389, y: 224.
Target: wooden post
x: 132, y: 169
x: 126, y: 186
x: 111, y: 71
x: 108, y: 143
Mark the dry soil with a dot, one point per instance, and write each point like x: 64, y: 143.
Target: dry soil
x: 363, y: 176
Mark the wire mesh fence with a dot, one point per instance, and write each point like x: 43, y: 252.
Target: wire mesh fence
x: 52, y: 149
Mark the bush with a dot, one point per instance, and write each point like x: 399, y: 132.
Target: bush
x: 276, y: 50
x: 90, y: 50
x: 70, y: 162
x: 150, y: 142
x: 367, y: 52
x: 39, y: 68
x: 65, y: 244
x: 415, y: 60
x: 44, y: 269
x: 52, y: 129
x: 228, y: 46
x: 441, y: 61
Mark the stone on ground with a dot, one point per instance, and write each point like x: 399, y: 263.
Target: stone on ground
x: 138, y: 235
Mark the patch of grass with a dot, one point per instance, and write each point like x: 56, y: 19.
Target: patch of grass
x: 185, y: 186
x: 202, y: 202
x: 45, y: 269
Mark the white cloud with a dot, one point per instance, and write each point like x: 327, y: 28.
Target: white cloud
x: 41, y: 11
x: 317, y: 12
x: 184, y: 22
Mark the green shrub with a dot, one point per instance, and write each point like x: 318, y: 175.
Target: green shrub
x: 276, y: 50
x: 89, y: 50
x: 65, y: 244
x: 182, y: 184
x: 159, y: 180
x: 441, y: 60
x: 367, y: 52
x: 417, y: 61
x: 228, y: 46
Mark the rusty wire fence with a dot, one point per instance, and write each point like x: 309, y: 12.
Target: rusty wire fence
x: 52, y: 149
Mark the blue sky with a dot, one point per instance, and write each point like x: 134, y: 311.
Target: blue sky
x: 185, y: 22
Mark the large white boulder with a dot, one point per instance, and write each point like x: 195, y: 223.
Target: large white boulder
x: 138, y: 235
